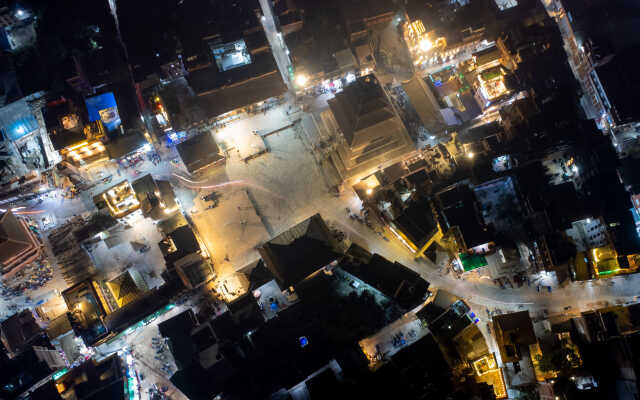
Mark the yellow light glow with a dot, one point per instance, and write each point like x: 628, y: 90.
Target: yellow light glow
x: 302, y: 80
x: 470, y: 154
x: 77, y: 145
x: 425, y: 44
x: 369, y: 191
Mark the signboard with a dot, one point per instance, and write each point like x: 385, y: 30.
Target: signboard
x: 103, y: 107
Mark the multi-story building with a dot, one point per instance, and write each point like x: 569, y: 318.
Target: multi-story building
x: 17, y: 28
x: 594, y: 101
x: 19, y: 246
x: 24, y: 142
x: 372, y: 133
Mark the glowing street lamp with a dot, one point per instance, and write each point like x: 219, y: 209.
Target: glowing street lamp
x: 470, y: 154
x: 425, y: 44
x: 302, y: 80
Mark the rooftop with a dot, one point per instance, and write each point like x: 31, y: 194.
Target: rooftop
x: 95, y: 380
x: 178, y: 329
x: 300, y: 251
x: 64, y: 123
x: 199, y: 152
x: 511, y: 331
x: 18, y: 245
x: 181, y: 242
x: 394, y: 280
x: 220, y: 100
x: 18, y: 331
x: 21, y: 373
x: 210, y: 79
x: 124, y: 288
x: 122, y: 145
x: 458, y: 206
x: 359, y: 106
x: 156, y: 197
x: 417, y: 222
x: 479, y: 133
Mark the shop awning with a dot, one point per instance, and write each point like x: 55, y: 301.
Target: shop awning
x: 472, y: 261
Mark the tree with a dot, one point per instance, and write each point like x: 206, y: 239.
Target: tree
x: 560, y: 359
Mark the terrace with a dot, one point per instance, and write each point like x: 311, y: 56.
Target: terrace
x: 120, y: 199
x: 86, y: 311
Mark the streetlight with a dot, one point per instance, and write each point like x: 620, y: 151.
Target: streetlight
x: 425, y: 44
x: 302, y: 80
x: 470, y: 154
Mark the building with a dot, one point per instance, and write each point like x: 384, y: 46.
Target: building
x: 24, y: 140
x: 359, y: 20
x: 618, y: 86
x: 17, y: 28
x: 458, y: 212
x: 77, y: 141
x: 372, y: 133
x: 86, y: 311
x: 200, y: 355
x: 513, y: 332
x: 417, y: 226
x: 119, y: 199
x: 156, y: 197
x: 228, y: 61
x: 601, y: 57
x: 18, y: 332
x: 479, y: 140
x: 126, y: 287
x: 425, y: 104
x: 399, y: 283
x: 517, y: 114
x: 300, y: 251
x: 200, y: 152
x: 333, y: 44
x: 19, y: 246
x: 111, y: 378
x: 21, y: 374
x: 185, y: 258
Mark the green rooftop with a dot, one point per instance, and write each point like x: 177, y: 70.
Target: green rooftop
x: 472, y: 261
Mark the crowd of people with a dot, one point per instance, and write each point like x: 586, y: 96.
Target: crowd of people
x: 31, y: 278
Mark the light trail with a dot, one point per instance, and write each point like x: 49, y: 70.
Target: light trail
x: 16, y: 210
x: 32, y: 212
x: 202, y: 185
